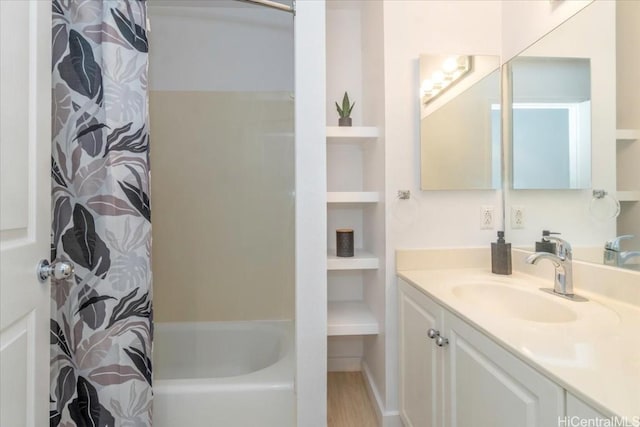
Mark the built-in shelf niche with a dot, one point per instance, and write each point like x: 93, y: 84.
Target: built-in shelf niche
x: 350, y: 318
x: 628, y: 196
x: 362, y: 260
x: 627, y: 135
x: 353, y: 197
x: 351, y: 132
x: 346, y: 165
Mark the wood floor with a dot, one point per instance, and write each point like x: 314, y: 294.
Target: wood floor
x: 348, y: 404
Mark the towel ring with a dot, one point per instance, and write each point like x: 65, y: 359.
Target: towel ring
x: 603, y: 206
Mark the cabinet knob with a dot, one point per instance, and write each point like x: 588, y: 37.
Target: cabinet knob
x: 432, y: 333
x: 441, y: 341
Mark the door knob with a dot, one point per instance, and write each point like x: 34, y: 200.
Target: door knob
x: 58, y: 270
x: 432, y: 333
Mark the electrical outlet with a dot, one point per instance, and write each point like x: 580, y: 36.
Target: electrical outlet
x: 486, y: 218
x: 517, y: 217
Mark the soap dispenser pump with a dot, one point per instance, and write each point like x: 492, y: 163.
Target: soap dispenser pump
x: 545, y: 245
x: 501, y: 255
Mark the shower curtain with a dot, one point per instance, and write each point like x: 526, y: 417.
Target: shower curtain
x: 101, y: 325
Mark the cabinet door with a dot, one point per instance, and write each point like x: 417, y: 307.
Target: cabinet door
x: 420, y: 360
x: 486, y: 386
x: 578, y: 410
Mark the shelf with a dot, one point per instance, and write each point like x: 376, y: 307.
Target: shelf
x: 627, y: 134
x: 628, y: 196
x: 353, y: 197
x: 350, y: 318
x: 352, y: 132
x: 362, y: 260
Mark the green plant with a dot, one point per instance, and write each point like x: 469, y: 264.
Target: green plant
x: 345, y: 111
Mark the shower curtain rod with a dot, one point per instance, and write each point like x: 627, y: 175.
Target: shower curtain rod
x: 272, y: 4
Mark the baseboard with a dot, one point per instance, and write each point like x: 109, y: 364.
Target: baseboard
x: 344, y: 364
x: 385, y: 418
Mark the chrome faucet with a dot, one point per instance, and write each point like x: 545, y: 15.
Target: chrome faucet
x: 614, y: 256
x: 626, y: 256
x: 562, y: 261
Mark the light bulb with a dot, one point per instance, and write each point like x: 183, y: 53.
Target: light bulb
x: 450, y: 65
x: 427, y: 85
x: 437, y: 77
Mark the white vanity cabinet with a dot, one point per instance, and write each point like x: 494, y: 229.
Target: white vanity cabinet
x: 579, y: 410
x: 469, y: 381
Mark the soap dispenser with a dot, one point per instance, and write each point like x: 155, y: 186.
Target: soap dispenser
x: 501, y: 255
x: 545, y: 245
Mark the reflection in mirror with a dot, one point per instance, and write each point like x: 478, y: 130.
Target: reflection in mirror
x: 613, y: 58
x: 460, y: 124
x: 551, y: 123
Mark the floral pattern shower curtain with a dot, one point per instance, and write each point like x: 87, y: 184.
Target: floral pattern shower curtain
x: 101, y: 326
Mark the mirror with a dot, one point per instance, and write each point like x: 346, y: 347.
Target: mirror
x: 609, y: 60
x: 551, y: 122
x: 460, y: 122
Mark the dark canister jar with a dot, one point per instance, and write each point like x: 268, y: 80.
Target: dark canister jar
x: 344, y: 242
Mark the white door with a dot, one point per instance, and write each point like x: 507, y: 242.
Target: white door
x: 25, y: 210
x: 420, y: 359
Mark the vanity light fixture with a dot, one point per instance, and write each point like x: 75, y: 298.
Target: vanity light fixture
x: 452, y: 69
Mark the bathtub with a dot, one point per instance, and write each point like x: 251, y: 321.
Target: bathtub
x: 223, y: 374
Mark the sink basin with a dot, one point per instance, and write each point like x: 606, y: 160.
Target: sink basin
x: 515, y: 303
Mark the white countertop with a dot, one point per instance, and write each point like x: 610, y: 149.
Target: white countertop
x: 596, y: 357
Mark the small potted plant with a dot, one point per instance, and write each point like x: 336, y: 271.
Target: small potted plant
x: 345, y: 111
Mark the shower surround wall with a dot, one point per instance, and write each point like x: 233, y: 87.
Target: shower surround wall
x: 222, y: 120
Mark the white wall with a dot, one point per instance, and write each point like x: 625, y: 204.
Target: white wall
x: 311, y: 243
x: 433, y: 27
x: 525, y: 21
x: 344, y: 52
x: 377, y: 292
x: 432, y: 218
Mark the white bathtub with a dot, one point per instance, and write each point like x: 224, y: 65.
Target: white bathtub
x: 223, y: 374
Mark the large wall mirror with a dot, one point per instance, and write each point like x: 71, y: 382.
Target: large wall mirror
x: 575, y: 123
x: 460, y: 122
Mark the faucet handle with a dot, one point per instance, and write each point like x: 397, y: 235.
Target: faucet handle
x: 563, y: 248
x: 614, y: 244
